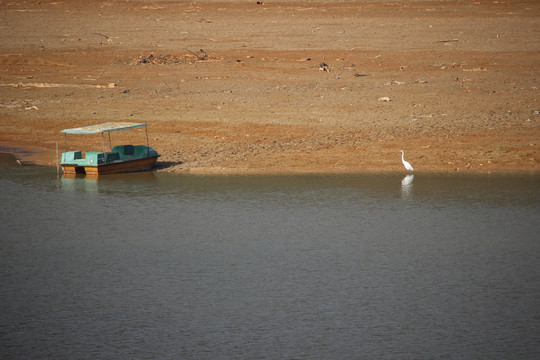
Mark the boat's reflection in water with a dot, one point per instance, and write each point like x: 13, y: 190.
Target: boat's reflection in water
x: 79, y: 183
x: 98, y: 183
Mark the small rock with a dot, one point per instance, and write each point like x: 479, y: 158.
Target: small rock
x: 384, y: 99
x: 324, y: 67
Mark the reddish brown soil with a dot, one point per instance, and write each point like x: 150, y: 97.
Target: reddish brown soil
x: 462, y: 78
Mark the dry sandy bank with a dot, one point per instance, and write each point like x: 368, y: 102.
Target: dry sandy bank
x: 462, y: 78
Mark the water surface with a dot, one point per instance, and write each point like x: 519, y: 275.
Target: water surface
x: 278, y: 267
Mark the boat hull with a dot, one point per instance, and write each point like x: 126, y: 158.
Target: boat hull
x: 122, y: 167
x: 68, y: 169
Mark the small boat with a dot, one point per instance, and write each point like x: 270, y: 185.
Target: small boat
x: 120, y: 159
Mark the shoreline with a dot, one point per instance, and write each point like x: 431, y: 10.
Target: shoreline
x: 16, y: 155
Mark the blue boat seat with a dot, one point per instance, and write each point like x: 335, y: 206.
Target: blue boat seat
x: 94, y: 158
x: 71, y: 157
x: 112, y: 157
x: 129, y: 150
x: 141, y: 151
x: 132, y: 152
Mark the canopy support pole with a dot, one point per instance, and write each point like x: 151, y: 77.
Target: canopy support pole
x: 103, y: 141
x: 110, y: 144
x: 57, y: 160
x: 147, y: 142
x: 65, y: 137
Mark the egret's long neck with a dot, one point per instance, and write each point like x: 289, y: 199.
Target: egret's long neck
x: 402, y: 158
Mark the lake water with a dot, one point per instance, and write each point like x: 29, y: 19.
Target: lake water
x: 368, y: 266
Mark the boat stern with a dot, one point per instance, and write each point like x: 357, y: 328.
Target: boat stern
x: 72, y: 162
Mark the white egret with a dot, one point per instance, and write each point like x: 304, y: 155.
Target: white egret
x: 405, y: 163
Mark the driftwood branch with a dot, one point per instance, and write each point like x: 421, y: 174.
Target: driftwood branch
x: 105, y: 36
x: 201, y: 55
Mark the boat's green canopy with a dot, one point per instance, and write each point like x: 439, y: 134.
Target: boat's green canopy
x: 99, y: 128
